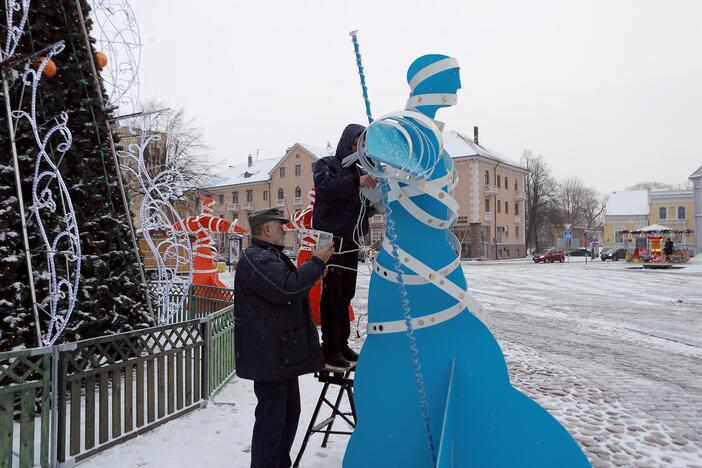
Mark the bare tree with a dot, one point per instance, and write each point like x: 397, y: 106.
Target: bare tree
x: 593, y: 207
x: 539, y: 191
x: 185, y: 149
x: 571, y: 196
x: 650, y: 185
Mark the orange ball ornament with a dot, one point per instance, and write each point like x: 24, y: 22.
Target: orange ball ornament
x: 49, y: 69
x: 100, y: 60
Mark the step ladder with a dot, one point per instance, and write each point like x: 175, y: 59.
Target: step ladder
x: 331, y: 376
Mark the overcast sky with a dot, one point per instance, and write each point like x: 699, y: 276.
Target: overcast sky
x: 608, y: 90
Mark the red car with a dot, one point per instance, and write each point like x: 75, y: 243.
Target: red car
x: 550, y: 256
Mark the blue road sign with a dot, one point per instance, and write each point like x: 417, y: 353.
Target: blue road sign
x: 568, y: 235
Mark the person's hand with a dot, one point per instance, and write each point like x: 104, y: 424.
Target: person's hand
x: 367, y: 181
x: 325, y: 253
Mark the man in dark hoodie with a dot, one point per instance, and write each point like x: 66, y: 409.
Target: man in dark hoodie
x: 336, y: 210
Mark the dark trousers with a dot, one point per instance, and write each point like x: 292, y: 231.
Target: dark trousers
x: 277, y: 415
x: 338, y: 288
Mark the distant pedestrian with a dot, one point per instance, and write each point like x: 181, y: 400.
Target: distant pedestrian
x: 275, y: 338
x: 668, y: 250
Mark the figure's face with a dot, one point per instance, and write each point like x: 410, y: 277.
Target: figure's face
x: 274, y: 232
x: 354, y: 145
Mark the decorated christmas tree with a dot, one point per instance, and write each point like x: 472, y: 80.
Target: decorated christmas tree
x: 110, y: 296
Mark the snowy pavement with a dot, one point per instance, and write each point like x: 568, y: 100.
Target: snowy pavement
x: 614, y: 354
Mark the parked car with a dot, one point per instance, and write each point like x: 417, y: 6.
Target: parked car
x: 580, y: 252
x: 550, y: 256
x: 613, y: 254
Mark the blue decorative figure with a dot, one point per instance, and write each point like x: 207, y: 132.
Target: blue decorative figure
x: 432, y: 388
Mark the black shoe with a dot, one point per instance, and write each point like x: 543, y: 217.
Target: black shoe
x: 349, y: 354
x: 336, y: 360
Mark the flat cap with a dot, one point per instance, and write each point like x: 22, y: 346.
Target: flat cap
x: 259, y: 217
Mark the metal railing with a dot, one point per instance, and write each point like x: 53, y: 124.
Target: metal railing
x: 64, y: 403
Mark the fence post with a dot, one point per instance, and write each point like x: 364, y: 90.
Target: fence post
x: 191, y: 303
x: 205, y: 330
x: 55, y: 353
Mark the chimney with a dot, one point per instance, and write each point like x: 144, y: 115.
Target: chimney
x: 475, y: 135
x: 251, y: 158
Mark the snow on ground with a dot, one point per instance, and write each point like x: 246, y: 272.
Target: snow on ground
x: 614, y: 353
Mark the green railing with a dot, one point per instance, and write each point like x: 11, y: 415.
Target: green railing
x: 25, y: 381
x: 205, y: 300
x: 116, y: 387
x: 107, y: 390
x: 220, y: 351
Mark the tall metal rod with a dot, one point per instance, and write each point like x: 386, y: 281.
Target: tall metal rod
x: 363, y: 77
x: 20, y: 198
x: 125, y: 200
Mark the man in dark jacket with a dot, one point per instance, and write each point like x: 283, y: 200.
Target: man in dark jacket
x: 336, y: 210
x: 275, y: 337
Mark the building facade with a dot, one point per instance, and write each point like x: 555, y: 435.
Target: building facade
x: 490, y: 193
x: 283, y: 182
x: 696, y: 179
x: 491, y: 196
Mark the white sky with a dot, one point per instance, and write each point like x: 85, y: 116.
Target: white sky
x: 609, y: 90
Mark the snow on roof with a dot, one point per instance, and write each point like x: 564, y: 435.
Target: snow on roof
x: 653, y: 228
x: 634, y: 202
x: 696, y: 174
x: 459, y: 145
x: 243, y: 174
x: 318, y: 152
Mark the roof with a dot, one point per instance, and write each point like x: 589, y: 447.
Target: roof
x: 318, y: 152
x: 633, y: 202
x: 459, y: 145
x: 696, y: 174
x: 237, y: 174
x: 653, y: 228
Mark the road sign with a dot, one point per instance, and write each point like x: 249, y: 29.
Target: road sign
x: 568, y: 227
x: 568, y: 235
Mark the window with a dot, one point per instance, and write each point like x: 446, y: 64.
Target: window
x: 506, y: 208
x: 618, y: 237
x: 298, y: 169
x: 516, y: 234
x: 235, y: 197
x: 487, y: 205
x: 221, y: 198
x: 506, y: 229
x: 235, y: 216
x: 313, y: 165
x: 487, y: 177
x: 249, y: 195
x: 516, y: 209
x: 506, y: 184
x: 298, y: 191
x: 662, y: 212
x: 499, y: 205
x: 282, y: 171
x: 281, y: 194
x: 265, y: 195
x: 516, y: 187
x: 498, y: 181
x: 681, y: 212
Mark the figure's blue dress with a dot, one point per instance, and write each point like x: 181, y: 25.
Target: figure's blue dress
x: 475, y: 417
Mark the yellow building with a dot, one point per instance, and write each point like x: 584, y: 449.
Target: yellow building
x: 631, y: 210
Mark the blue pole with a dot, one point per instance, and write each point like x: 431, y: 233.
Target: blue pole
x: 363, y: 78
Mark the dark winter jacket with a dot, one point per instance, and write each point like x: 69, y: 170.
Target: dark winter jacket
x: 337, y: 205
x: 274, y: 336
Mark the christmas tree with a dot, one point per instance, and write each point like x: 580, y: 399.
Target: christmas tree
x: 110, y: 298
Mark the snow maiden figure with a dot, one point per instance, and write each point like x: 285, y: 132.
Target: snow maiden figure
x: 432, y: 387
